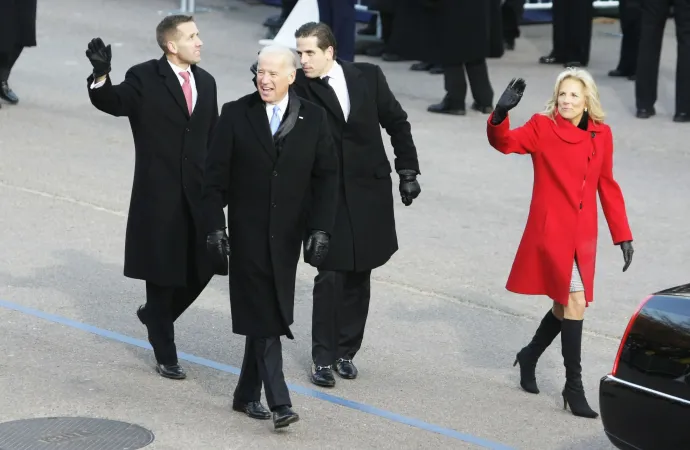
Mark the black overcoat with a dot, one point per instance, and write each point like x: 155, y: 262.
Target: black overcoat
x: 265, y: 186
x: 364, y: 235
x: 17, y: 24
x: 170, y: 151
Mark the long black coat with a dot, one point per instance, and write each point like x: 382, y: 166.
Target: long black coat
x: 170, y: 151
x: 17, y: 24
x: 265, y: 186
x: 364, y: 235
x: 449, y: 32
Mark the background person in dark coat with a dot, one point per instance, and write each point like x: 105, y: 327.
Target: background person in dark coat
x: 571, y: 27
x: 631, y: 23
x: 340, y: 16
x: 358, y: 102
x: 265, y: 164
x: 172, y: 107
x: 17, y: 30
x: 471, y: 31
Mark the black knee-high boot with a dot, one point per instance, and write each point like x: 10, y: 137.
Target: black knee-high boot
x: 548, y: 329
x: 574, y: 392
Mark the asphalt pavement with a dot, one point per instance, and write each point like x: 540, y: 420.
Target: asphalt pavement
x: 436, y: 365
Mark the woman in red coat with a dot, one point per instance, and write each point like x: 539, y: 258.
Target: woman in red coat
x: 572, y: 155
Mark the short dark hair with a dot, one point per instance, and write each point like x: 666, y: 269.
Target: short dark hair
x: 168, y: 29
x: 322, y: 32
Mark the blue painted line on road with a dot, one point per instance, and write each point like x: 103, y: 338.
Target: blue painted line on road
x: 236, y: 371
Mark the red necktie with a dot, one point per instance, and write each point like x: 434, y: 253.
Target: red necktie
x: 187, y: 89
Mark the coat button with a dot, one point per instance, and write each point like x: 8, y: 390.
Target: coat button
x: 274, y: 205
x: 187, y: 130
x: 275, y: 174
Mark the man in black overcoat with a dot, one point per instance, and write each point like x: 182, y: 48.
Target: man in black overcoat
x: 273, y: 163
x: 358, y: 101
x: 17, y: 30
x: 172, y: 108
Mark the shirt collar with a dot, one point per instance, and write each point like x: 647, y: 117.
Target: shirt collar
x: 335, y: 72
x: 282, y: 104
x: 177, y: 69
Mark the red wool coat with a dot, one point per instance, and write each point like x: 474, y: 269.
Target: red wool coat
x: 570, y: 166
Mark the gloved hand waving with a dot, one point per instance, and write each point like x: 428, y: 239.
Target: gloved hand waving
x: 99, y: 55
x: 509, y: 100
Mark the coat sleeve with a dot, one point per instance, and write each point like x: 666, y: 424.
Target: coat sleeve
x: 325, y: 180
x: 119, y: 100
x: 521, y: 140
x: 393, y: 119
x: 214, y: 117
x: 217, y: 172
x: 611, y: 196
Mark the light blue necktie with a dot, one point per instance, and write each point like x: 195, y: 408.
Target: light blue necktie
x: 275, y: 120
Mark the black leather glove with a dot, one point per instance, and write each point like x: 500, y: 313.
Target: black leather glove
x: 509, y: 100
x: 409, y: 186
x: 99, y: 55
x: 218, y: 247
x: 628, y: 251
x: 316, y: 248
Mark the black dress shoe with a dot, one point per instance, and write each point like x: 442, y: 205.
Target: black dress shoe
x: 436, y: 69
x: 510, y: 44
x: 421, y: 66
x: 574, y: 64
x: 645, y: 113
x: 549, y: 60
x: 447, y: 107
x: 346, y: 369
x: 255, y: 410
x: 487, y: 109
x: 681, y: 117
x: 172, y: 371
x: 391, y: 57
x: 620, y: 74
x: 322, y: 376
x: 284, y: 416
x: 7, y: 94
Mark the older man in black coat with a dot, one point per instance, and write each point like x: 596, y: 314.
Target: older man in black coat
x: 172, y: 108
x: 358, y: 102
x: 271, y: 155
x: 17, y: 30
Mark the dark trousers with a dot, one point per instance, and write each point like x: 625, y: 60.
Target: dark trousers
x: 456, y: 84
x: 511, y: 14
x: 572, y: 30
x: 165, y: 304
x: 263, y: 363
x: 339, y: 315
x: 7, y: 61
x: 654, y: 16
x: 340, y: 16
x: 630, y: 17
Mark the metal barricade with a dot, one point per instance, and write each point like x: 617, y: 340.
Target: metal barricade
x: 547, y: 4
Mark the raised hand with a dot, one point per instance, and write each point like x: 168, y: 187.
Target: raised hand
x: 99, y: 55
x: 509, y: 99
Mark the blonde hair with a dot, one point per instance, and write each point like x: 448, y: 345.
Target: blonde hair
x: 592, y: 103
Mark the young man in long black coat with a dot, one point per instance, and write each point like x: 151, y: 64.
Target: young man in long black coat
x: 17, y: 30
x: 172, y: 108
x: 273, y: 163
x: 358, y: 102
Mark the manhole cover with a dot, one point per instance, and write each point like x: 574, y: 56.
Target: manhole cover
x: 72, y: 433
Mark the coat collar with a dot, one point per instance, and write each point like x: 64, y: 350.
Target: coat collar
x: 256, y: 113
x: 172, y: 82
x: 327, y: 96
x: 573, y: 134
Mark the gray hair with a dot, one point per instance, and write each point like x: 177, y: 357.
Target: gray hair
x: 287, y: 54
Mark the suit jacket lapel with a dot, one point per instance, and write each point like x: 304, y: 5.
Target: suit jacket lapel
x: 173, y: 84
x: 256, y: 113
x: 327, y: 95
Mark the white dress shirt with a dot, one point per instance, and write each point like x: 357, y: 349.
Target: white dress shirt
x: 283, y: 104
x: 339, y: 84
x: 177, y: 71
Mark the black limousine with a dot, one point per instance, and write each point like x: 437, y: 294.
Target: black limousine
x: 645, y: 400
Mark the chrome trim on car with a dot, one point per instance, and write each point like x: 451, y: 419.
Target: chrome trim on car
x: 649, y: 391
